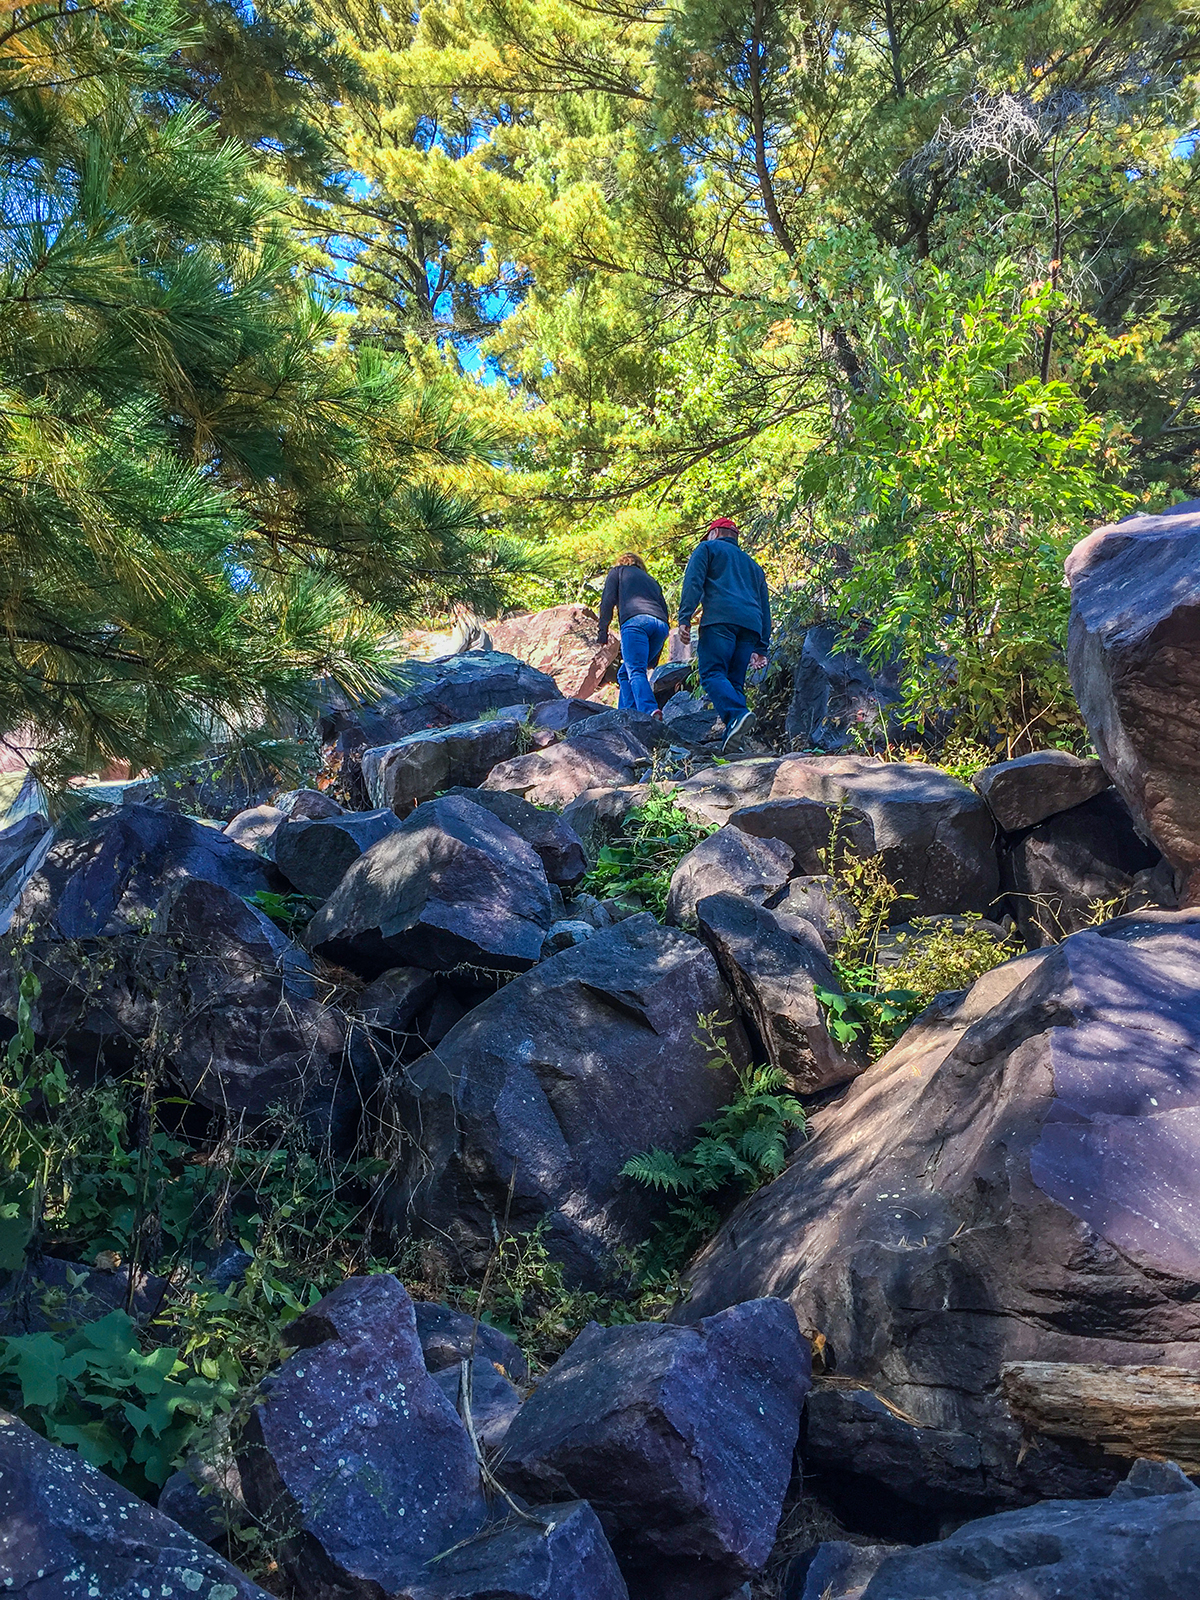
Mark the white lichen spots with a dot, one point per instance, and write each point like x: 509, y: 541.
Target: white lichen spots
x: 191, y: 1580
x: 223, y: 1591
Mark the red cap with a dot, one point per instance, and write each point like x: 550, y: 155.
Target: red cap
x: 722, y: 522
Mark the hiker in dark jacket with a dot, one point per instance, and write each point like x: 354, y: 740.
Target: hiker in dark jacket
x: 730, y: 590
x: 642, y: 614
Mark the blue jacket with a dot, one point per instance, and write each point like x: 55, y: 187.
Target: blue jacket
x: 729, y: 586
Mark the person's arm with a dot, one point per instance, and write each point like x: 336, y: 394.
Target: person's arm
x: 693, y: 587
x: 608, y: 603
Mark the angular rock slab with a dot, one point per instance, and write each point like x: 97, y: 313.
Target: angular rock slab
x: 355, y: 1456
x: 837, y: 697
x: 402, y: 775
x: 451, y: 884
x: 69, y: 1533
x: 1134, y: 656
x: 1025, y: 791
x: 256, y: 828
x: 774, y: 965
x: 562, y: 1075
x: 564, y: 1557
x: 1143, y: 1543
x: 728, y: 861
x: 680, y: 1439
x: 1017, y: 1180
x: 314, y: 856
x: 433, y: 694
x: 806, y: 827
x: 1059, y: 875
x: 562, y: 641
x: 555, y: 842
x: 447, y: 1337
x: 562, y: 772
x: 934, y: 835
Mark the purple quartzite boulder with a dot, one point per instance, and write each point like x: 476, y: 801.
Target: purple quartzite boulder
x: 1134, y: 655
x: 557, y: 845
x: 560, y: 773
x: 728, y: 861
x: 355, y: 1455
x: 560, y: 1554
x: 452, y: 884
x: 561, y: 1076
x: 1143, y: 1543
x: 680, y: 1439
x: 310, y: 804
x: 1061, y: 875
x: 774, y: 963
x: 1025, y: 791
x: 806, y: 827
x: 434, y: 694
x: 1017, y: 1180
x: 934, y: 836
x: 416, y: 768
x: 315, y: 856
x: 447, y: 1337
x: 69, y: 1533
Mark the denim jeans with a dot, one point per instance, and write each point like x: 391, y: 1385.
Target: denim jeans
x: 723, y: 654
x: 642, y: 640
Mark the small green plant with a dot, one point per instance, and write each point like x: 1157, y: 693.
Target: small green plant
x: 741, y: 1148
x: 638, y: 864
x: 879, y: 1015
x: 291, y: 912
x: 129, y: 1412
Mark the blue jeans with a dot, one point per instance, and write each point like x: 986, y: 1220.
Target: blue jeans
x: 642, y: 640
x: 723, y: 653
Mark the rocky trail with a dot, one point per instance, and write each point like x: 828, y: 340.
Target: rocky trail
x: 949, y: 1350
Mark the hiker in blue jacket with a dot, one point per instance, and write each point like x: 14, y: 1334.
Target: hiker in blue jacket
x: 730, y: 590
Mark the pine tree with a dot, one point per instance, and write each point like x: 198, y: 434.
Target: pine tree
x: 205, y: 501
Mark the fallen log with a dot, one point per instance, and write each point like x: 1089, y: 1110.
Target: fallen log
x: 1126, y: 1411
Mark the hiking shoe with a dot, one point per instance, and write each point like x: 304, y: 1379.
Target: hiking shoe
x: 735, y: 735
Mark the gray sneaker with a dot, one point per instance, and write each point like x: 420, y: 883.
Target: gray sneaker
x: 735, y: 735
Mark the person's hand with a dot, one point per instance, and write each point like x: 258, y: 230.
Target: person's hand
x: 684, y: 635
x: 757, y: 662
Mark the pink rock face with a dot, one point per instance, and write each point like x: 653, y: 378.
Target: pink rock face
x: 561, y: 641
x: 1135, y: 667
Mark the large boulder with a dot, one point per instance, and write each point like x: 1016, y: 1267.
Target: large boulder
x: 433, y: 694
x: 562, y: 772
x: 1015, y: 1181
x: 775, y: 963
x: 69, y: 1533
x: 561, y: 641
x: 535, y: 1085
x: 558, y: 1552
x: 1074, y: 869
x: 111, y: 878
x: 1025, y: 791
x: 837, y: 699
x: 680, y: 1439
x: 728, y: 861
x: 1134, y: 653
x: 314, y: 856
x: 416, y: 768
x: 355, y: 1458
x: 1143, y: 1543
x: 256, y: 828
x: 934, y: 836
x: 141, y: 929
x: 451, y: 884
x: 554, y: 841
x: 806, y: 827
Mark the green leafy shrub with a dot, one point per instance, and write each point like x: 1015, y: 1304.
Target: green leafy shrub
x: 740, y: 1149
x: 133, y: 1413
x: 638, y: 864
